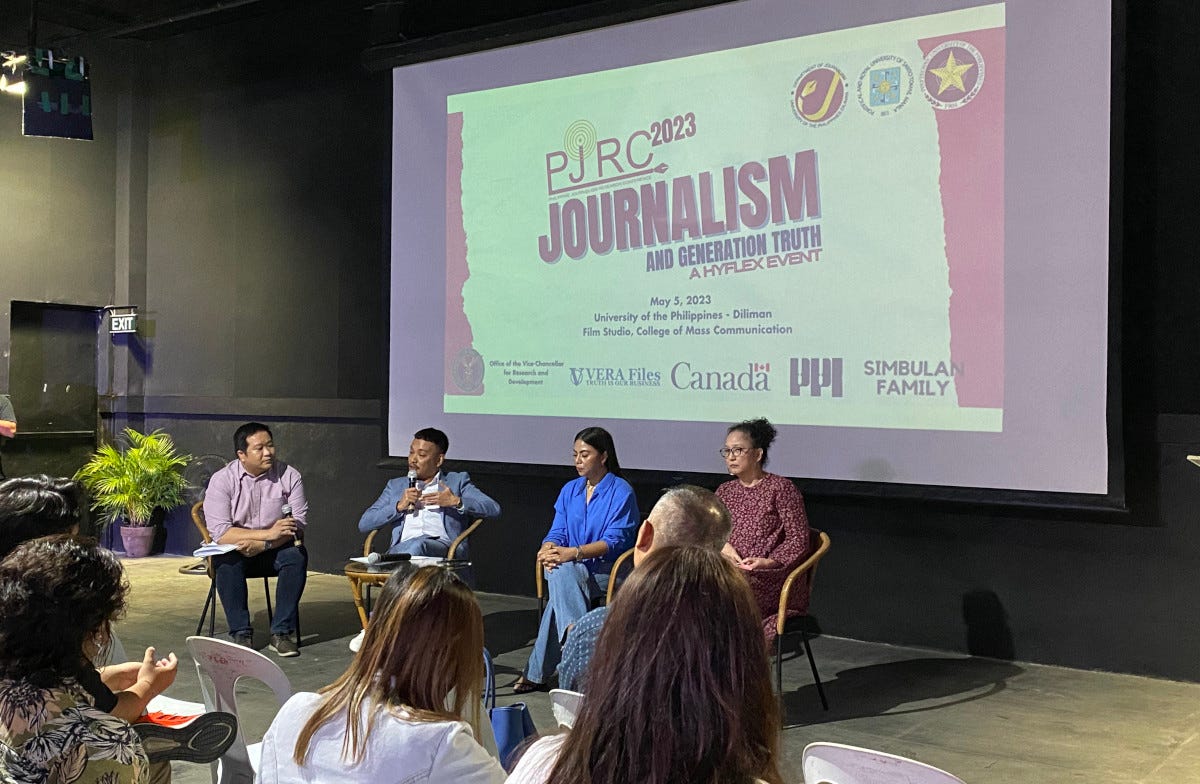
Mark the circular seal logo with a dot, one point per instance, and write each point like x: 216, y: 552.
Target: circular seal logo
x: 952, y: 74
x: 885, y: 85
x: 467, y: 370
x: 579, y: 140
x: 819, y: 95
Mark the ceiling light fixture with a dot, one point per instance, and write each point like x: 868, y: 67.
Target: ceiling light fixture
x: 12, y: 73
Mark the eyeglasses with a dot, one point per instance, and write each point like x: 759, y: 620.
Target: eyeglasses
x: 736, y: 451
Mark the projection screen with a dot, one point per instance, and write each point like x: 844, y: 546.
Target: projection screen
x: 883, y: 228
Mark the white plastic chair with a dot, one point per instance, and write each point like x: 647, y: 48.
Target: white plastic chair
x: 224, y: 664
x: 114, y: 653
x: 834, y: 763
x: 565, y: 705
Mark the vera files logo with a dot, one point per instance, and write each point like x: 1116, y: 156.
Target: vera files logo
x: 615, y: 377
x: 816, y: 376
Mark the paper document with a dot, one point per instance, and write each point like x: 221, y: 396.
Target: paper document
x: 212, y: 548
x: 163, y: 704
x: 426, y: 560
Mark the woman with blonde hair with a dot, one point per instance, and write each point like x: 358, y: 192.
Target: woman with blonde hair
x: 679, y: 688
x: 408, y: 706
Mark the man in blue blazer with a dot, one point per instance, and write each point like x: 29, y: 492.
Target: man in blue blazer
x: 428, y: 508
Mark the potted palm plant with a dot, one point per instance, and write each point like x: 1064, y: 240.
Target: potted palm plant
x: 129, y: 485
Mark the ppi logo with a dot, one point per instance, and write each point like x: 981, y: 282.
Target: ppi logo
x: 819, y: 95
x: 812, y: 375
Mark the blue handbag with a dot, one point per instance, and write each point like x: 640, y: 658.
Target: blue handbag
x: 512, y: 724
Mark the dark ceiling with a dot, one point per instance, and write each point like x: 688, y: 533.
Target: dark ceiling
x: 62, y: 22
x: 388, y: 32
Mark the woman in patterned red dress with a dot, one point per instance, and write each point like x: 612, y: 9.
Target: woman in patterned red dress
x: 770, y: 529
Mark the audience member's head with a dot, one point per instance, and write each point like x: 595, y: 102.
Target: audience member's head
x: 685, y: 515
x: 34, y: 506
x: 427, y: 452
x: 58, y: 598
x: 423, y: 650
x: 602, y: 441
x: 683, y: 639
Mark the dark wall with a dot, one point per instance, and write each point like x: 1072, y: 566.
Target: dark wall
x: 268, y: 168
x: 58, y: 220
x: 239, y: 194
x: 266, y: 164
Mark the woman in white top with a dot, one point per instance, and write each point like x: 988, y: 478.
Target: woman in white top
x: 397, y: 713
x: 679, y: 689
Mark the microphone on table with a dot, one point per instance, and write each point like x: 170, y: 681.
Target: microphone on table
x: 287, y: 512
x: 387, y: 558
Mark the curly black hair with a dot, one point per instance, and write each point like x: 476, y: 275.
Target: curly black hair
x: 38, y: 505
x: 55, y: 593
x: 760, y: 432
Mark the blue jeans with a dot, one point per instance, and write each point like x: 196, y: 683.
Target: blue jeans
x: 290, y: 563
x: 422, y: 545
x: 438, y: 548
x: 571, y: 587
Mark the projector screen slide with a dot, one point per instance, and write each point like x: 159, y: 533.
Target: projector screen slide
x: 887, y: 235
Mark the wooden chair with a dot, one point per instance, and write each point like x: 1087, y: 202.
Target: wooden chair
x: 799, y: 624
x: 613, y: 579
x: 211, y: 600
x: 478, y: 521
x: 369, y: 543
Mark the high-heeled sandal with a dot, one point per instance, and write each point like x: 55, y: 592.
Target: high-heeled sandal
x: 524, y: 686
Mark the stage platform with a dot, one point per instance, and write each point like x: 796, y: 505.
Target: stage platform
x: 987, y: 721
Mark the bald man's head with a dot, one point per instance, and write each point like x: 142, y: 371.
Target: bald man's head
x: 685, y: 515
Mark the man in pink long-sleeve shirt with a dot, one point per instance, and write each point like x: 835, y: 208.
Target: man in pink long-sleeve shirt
x: 244, y: 506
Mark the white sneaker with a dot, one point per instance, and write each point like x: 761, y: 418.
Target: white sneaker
x: 356, y: 643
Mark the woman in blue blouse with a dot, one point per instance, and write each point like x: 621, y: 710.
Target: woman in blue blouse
x: 595, y: 520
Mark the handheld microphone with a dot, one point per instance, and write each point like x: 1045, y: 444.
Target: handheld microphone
x: 387, y: 558
x: 287, y: 512
x: 412, y: 482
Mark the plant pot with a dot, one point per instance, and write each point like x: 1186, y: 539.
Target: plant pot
x: 138, y: 540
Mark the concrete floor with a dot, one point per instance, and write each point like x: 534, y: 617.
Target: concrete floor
x: 986, y: 721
